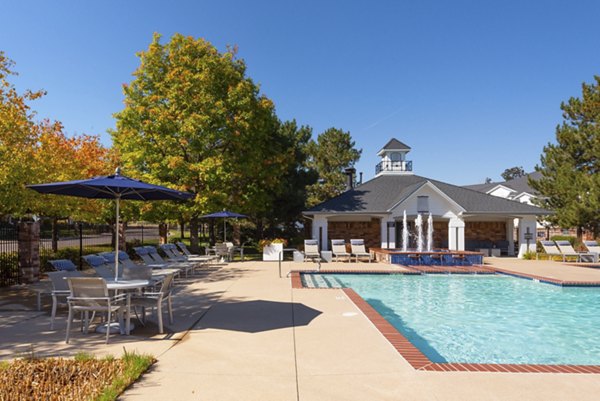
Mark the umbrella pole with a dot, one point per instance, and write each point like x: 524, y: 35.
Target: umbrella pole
x: 224, y: 228
x: 117, y: 241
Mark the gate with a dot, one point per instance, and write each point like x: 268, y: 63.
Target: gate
x: 9, y: 254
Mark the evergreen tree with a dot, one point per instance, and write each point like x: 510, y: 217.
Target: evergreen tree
x: 333, y: 152
x: 570, y: 168
x: 512, y: 173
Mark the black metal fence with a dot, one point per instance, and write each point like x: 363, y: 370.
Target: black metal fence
x: 65, y: 240
x: 9, y: 254
x: 75, y: 240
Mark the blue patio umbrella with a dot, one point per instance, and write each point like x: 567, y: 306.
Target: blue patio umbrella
x: 225, y: 214
x: 115, y: 187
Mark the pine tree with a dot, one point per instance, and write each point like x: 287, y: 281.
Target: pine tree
x: 570, y: 168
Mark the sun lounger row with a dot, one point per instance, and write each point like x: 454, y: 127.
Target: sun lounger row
x: 338, y: 249
x: 564, y: 250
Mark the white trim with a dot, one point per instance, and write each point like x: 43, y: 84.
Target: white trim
x: 500, y: 186
x: 435, y: 189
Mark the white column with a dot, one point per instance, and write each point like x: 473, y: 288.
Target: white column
x: 510, y: 229
x: 320, y: 225
x: 456, y: 234
x: 388, y: 235
x: 527, y: 226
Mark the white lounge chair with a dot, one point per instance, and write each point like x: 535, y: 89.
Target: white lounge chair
x: 358, y: 249
x: 567, y: 249
x: 311, y: 249
x: 338, y: 248
x: 592, y: 247
x: 551, y: 249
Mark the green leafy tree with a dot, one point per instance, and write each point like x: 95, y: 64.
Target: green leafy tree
x: 570, y: 168
x: 18, y: 139
x: 512, y: 173
x: 333, y: 151
x: 291, y: 199
x: 195, y: 121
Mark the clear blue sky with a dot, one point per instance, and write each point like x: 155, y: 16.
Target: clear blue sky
x: 473, y: 87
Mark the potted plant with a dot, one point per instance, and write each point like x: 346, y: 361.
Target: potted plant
x: 272, y: 248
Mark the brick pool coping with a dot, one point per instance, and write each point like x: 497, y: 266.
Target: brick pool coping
x: 420, y: 361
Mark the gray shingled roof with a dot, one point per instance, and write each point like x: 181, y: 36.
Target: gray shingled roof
x: 395, y: 144
x: 519, y: 184
x: 382, y: 193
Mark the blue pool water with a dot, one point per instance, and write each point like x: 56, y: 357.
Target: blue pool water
x: 487, y: 319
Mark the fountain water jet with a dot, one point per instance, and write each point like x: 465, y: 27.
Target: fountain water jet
x: 429, y: 233
x: 404, y: 233
x: 419, y: 224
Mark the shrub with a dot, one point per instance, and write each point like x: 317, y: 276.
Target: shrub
x: 266, y: 242
x: 529, y: 255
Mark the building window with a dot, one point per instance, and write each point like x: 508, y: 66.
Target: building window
x: 422, y: 204
x: 396, y: 157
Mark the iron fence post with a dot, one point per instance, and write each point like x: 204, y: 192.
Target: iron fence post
x: 80, y: 225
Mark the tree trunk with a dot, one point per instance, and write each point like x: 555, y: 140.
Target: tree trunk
x: 259, y: 228
x: 54, y: 234
x: 211, y: 232
x: 163, y: 230
x: 122, y: 236
x: 579, y: 233
x: 182, y: 228
x: 194, y: 243
x: 237, y: 234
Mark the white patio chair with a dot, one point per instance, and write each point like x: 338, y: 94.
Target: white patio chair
x: 358, y: 249
x: 233, y: 249
x: 223, y: 251
x: 566, y: 249
x: 155, y: 300
x: 338, y: 248
x: 90, y: 294
x: 311, y: 249
x: 60, y: 290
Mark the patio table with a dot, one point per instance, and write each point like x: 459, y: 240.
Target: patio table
x: 122, y: 285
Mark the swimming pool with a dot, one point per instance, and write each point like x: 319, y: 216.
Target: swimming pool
x: 483, y: 319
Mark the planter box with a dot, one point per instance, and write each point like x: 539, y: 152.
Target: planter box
x: 271, y: 252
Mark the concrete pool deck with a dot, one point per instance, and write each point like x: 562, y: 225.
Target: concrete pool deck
x: 243, y: 333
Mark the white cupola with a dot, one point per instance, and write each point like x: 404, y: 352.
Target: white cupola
x: 393, y: 159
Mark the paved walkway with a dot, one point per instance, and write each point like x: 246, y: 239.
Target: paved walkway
x: 253, y: 337
x: 262, y: 340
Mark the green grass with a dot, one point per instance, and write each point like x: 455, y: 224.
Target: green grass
x: 83, y: 377
x: 83, y: 356
x: 135, y: 365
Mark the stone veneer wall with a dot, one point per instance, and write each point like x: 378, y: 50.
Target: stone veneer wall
x: 29, y: 251
x: 440, y: 234
x: 485, y: 230
x: 370, y: 231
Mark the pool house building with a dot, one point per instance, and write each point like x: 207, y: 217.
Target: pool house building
x: 463, y: 219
